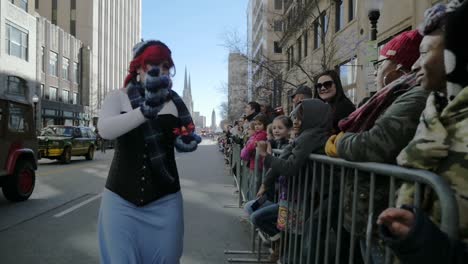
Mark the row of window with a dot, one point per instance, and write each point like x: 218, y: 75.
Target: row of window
x: 18, y: 86
x: 320, y: 29
x: 17, y: 45
x: 53, y: 66
x: 66, y: 97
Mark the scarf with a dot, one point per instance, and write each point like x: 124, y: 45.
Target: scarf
x: 365, y: 116
x: 152, y: 128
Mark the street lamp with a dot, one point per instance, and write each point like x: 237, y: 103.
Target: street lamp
x: 373, y: 12
x: 35, y: 100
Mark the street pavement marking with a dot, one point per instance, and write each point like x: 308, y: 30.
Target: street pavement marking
x: 73, y: 208
x: 64, y: 169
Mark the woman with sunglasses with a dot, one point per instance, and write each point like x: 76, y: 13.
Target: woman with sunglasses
x: 328, y: 88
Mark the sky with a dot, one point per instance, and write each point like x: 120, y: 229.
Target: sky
x: 195, y: 32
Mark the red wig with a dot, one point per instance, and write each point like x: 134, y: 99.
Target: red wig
x: 153, y: 53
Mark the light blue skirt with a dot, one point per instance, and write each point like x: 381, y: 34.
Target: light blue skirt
x: 152, y: 234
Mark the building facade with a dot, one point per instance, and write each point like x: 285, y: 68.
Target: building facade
x: 17, y: 51
x: 59, y: 59
x: 108, y: 30
x: 335, y: 34
x: 237, y: 85
x: 265, y: 56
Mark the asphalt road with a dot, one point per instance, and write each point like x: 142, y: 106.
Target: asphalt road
x: 59, y: 222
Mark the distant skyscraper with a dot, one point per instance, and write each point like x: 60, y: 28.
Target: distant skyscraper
x: 187, y: 93
x: 213, y: 120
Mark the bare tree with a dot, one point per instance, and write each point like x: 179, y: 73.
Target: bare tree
x: 282, y: 75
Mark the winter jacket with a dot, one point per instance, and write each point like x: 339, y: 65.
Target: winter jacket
x: 279, y: 143
x: 390, y: 134
x: 248, y: 152
x: 436, y: 129
x: 341, y: 110
x: 316, y: 127
x: 426, y: 243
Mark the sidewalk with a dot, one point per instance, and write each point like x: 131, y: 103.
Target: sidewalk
x: 210, y: 227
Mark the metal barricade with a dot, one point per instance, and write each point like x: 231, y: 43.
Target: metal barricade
x: 316, y: 230
x: 317, y: 198
x: 246, y: 182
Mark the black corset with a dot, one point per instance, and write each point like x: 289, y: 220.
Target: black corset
x: 130, y: 174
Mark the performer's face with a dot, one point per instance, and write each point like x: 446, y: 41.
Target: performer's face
x: 164, y: 69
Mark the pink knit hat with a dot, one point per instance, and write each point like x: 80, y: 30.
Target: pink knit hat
x: 404, y: 48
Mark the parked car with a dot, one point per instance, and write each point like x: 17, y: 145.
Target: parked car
x: 18, y: 146
x: 63, y: 142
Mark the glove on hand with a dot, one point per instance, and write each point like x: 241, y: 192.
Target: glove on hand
x: 187, y: 143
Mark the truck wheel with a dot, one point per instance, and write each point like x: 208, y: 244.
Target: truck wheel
x: 66, y: 156
x: 19, y: 186
x: 90, y: 154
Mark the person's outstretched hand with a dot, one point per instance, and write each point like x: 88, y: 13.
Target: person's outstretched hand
x: 261, y: 191
x: 262, y: 148
x: 398, y: 221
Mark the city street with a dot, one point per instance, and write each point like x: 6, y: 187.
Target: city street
x: 58, y: 224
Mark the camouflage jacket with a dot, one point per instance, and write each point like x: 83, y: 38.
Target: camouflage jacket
x: 390, y: 134
x: 441, y: 145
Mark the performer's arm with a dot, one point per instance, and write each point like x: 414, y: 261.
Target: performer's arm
x: 112, y: 122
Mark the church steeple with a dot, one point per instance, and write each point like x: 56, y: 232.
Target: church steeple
x: 187, y: 93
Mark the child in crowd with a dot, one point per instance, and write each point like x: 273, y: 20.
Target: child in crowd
x: 248, y: 152
x: 312, y: 120
x: 264, y: 212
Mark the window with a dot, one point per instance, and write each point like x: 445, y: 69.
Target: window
x: 23, y: 4
x: 290, y: 57
x: 73, y: 27
x: 65, y: 68
x: 276, y: 47
x: 76, y: 71
x: 324, y: 23
x: 36, y: 4
x: 53, y: 93
x: 317, y: 40
x: 16, y: 86
x: 351, y: 10
x: 278, y: 4
x: 53, y: 64
x: 351, y: 94
x: 75, y: 98
x: 65, y: 96
x: 16, y: 42
x: 84, y: 132
x: 299, y: 49
x: 42, y: 91
x: 54, y: 12
x: 347, y: 71
x: 320, y: 29
x: 17, y: 122
x: 339, y: 15
x: 43, y: 59
x: 278, y: 26
x: 306, y: 42
x: 73, y: 17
